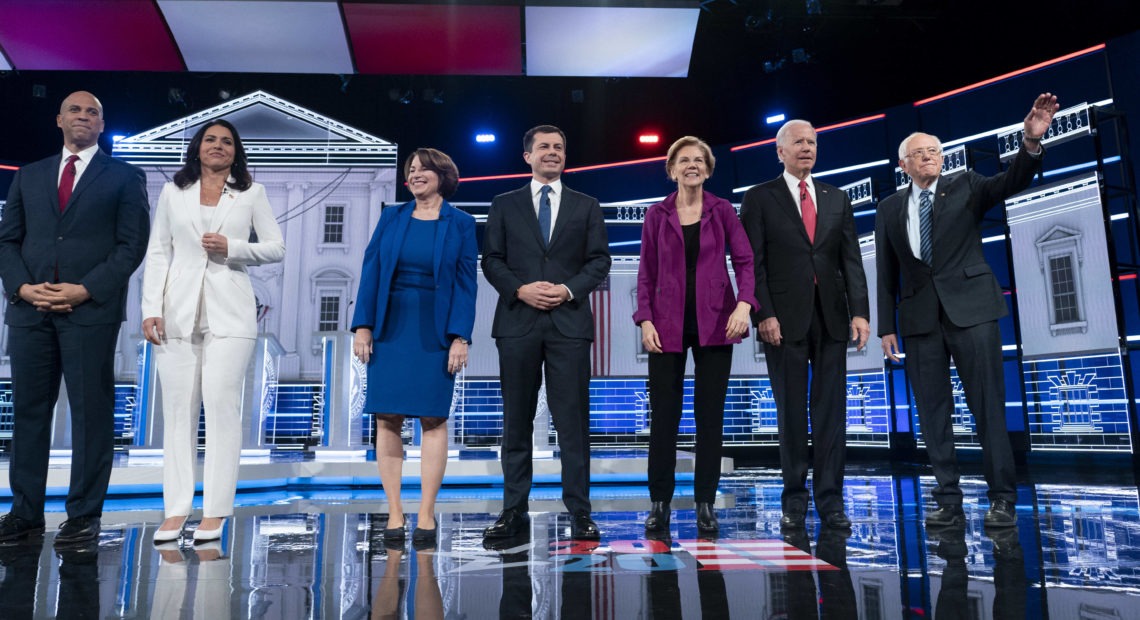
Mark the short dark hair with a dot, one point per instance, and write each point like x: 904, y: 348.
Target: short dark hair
x: 192, y: 170
x: 440, y: 163
x: 528, y: 138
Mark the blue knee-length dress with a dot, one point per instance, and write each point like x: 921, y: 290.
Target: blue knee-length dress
x: 407, y: 373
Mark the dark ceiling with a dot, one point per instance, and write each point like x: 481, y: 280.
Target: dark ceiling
x: 824, y: 60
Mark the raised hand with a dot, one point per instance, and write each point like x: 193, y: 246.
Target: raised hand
x: 1040, y: 116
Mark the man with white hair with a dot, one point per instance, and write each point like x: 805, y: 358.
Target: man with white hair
x: 813, y: 299
x: 931, y: 268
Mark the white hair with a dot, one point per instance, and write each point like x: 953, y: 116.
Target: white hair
x: 906, y: 141
x: 783, y: 132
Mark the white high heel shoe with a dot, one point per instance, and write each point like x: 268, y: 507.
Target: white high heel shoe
x: 201, y: 535
x: 165, y: 536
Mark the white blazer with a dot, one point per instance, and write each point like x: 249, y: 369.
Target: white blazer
x: 179, y: 272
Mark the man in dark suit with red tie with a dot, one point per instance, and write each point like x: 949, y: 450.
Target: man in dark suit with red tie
x: 545, y: 250
x: 813, y: 298
x: 73, y: 231
x: 931, y: 268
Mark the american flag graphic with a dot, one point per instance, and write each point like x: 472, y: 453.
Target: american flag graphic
x: 751, y: 555
x: 600, y: 302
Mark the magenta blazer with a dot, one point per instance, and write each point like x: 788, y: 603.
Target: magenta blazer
x: 661, y: 275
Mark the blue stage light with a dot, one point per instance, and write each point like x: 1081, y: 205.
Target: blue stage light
x: 484, y: 138
x: 775, y: 118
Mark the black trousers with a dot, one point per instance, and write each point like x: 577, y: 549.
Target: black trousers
x: 788, y: 371
x: 567, y: 365
x: 84, y: 356
x: 712, y: 367
x: 976, y: 351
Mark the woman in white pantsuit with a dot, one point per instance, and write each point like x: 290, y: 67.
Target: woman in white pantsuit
x: 201, y: 315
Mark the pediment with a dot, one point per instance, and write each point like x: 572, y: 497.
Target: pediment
x: 275, y: 132
x: 1058, y: 233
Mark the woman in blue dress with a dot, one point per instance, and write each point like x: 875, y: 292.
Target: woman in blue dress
x: 414, y: 314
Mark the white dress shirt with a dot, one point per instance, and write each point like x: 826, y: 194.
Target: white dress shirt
x: 555, y: 199
x: 913, y: 232
x: 794, y: 187
x: 555, y: 202
x: 85, y: 157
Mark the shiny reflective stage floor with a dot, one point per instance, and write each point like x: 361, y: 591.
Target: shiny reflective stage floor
x: 315, y: 552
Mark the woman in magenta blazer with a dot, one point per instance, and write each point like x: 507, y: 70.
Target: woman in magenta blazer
x: 685, y: 301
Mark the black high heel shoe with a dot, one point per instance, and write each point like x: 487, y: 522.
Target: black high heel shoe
x: 658, y: 519
x: 396, y: 534
x: 423, y: 538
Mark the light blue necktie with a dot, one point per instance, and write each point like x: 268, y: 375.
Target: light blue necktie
x: 544, y: 215
x: 925, y: 223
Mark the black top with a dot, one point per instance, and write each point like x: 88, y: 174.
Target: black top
x: 692, y: 233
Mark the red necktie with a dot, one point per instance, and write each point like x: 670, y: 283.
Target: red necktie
x: 807, y: 209
x: 67, y: 182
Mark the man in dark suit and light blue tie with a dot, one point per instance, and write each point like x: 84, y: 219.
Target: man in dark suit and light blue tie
x: 813, y: 298
x: 544, y: 250
x: 73, y: 231
x: 931, y: 268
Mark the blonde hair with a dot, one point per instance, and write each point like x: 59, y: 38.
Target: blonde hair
x: 671, y: 155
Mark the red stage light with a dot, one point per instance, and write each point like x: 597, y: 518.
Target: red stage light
x: 648, y: 138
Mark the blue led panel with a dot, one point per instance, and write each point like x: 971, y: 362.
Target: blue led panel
x: 256, y: 36
x: 609, y: 41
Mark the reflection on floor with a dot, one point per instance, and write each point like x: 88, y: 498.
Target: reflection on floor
x: 318, y: 554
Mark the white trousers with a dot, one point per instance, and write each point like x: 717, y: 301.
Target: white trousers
x: 202, y: 369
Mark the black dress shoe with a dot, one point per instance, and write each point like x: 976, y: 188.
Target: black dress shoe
x: 1001, y: 514
x: 509, y: 524
x: 798, y: 538
x: 582, y: 527
x: 707, y: 522
x: 658, y: 519
x: 78, y: 530
x: 15, y: 528
x: 85, y: 552
x: 951, y: 541
x: 836, y: 519
x: 1007, y: 546
x: 945, y: 516
x: 793, y: 519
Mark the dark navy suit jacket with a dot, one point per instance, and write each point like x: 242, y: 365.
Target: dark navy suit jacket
x: 98, y: 241
x: 577, y: 256
x: 454, y: 254
x: 959, y: 279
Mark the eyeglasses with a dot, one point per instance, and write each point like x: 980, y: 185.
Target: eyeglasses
x: 932, y: 151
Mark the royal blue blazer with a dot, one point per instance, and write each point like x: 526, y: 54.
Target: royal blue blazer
x: 455, y: 255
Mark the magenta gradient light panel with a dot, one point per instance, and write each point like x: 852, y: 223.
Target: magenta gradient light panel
x: 96, y: 35
x: 435, y: 39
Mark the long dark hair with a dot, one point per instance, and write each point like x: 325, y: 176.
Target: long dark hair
x: 192, y: 170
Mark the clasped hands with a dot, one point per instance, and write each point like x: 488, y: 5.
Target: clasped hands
x: 57, y: 297
x: 543, y: 295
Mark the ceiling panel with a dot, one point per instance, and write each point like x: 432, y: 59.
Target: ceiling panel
x: 259, y: 36
x: 435, y: 39
x: 609, y: 41
x: 96, y: 35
